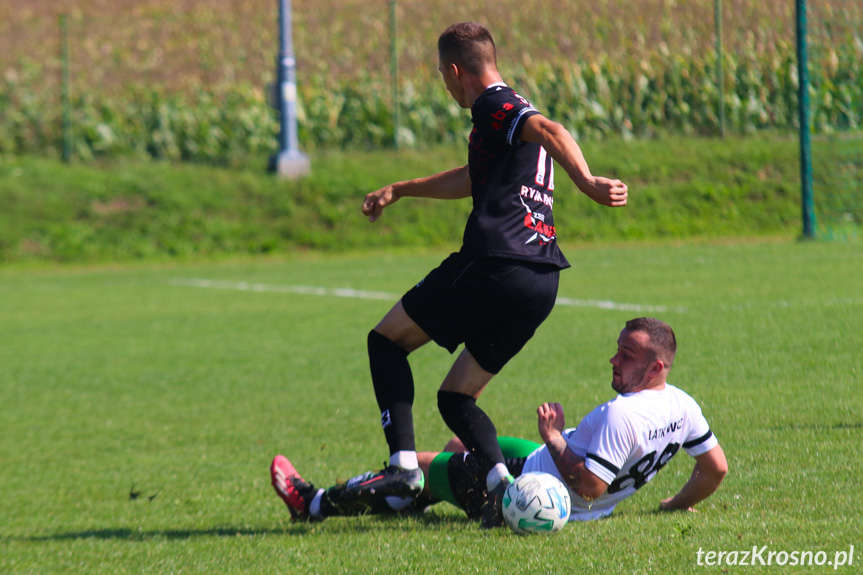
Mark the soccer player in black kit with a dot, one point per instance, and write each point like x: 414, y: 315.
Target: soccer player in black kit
x: 494, y: 292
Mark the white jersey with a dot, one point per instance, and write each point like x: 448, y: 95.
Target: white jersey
x: 626, y: 441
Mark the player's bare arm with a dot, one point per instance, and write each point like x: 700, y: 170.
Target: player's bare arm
x: 449, y: 185
x: 561, y: 146
x: 710, y: 469
x: 551, y: 423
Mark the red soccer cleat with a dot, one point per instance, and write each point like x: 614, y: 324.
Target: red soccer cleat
x: 296, y: 492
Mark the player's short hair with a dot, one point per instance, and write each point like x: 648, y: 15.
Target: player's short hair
x: 663, y: 343
x: 468, y: 45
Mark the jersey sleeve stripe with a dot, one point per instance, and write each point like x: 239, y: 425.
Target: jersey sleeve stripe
x: 516, y: 121
x: 605, y: 463
x: 694, y: 442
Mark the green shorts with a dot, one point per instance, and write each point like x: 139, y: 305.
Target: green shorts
x: 459, y: 479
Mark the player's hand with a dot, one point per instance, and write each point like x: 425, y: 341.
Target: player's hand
x: 611, y: 193
x: 375, y: 202
x: 665, y: 505
x: 550, y: 420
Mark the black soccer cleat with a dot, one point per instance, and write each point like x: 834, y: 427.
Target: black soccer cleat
x: 369, y: 489
x: 492, y: 509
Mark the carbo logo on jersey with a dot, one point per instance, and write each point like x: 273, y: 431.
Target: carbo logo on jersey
x: 543, y: 233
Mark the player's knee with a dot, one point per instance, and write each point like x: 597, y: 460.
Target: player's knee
x: 381, y: 345
x: 454, y: 445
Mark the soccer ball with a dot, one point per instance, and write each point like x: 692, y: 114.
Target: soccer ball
x: 536, y: 503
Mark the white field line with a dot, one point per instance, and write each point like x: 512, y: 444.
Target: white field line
x: 605, y: 304
x: 376, y: 295
x: 305, y: 290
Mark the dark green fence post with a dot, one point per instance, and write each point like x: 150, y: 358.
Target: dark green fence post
x: 394, y: 71
x: 720, y: 76
x: 808, y: 207
x: 65, y: 90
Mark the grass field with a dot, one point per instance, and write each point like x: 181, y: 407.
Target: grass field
x: 181, y: 382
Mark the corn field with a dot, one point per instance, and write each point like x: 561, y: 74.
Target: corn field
x: 188, y: 79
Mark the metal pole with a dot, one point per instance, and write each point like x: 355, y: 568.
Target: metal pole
x: 289, y: 161
x: 808, y: 207
x: 65, y: 90
x: 394, y: 72
x: 720, y: 76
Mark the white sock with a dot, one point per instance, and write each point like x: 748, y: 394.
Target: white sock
x: 405, y: 459
x: 315, y: 505
x: 496, y: 475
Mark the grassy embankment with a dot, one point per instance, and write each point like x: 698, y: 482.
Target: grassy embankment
x: 682, y: 188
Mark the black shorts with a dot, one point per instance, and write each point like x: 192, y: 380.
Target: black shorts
x: 492, y: 305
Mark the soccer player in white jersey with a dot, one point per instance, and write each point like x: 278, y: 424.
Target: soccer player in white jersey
x: 622, y: 444
x: 614, y: 451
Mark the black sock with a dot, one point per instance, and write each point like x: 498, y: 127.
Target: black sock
x: 394, y: 390
x: 471, y: 425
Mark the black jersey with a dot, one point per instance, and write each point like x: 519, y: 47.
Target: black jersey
x: 512, y: 184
